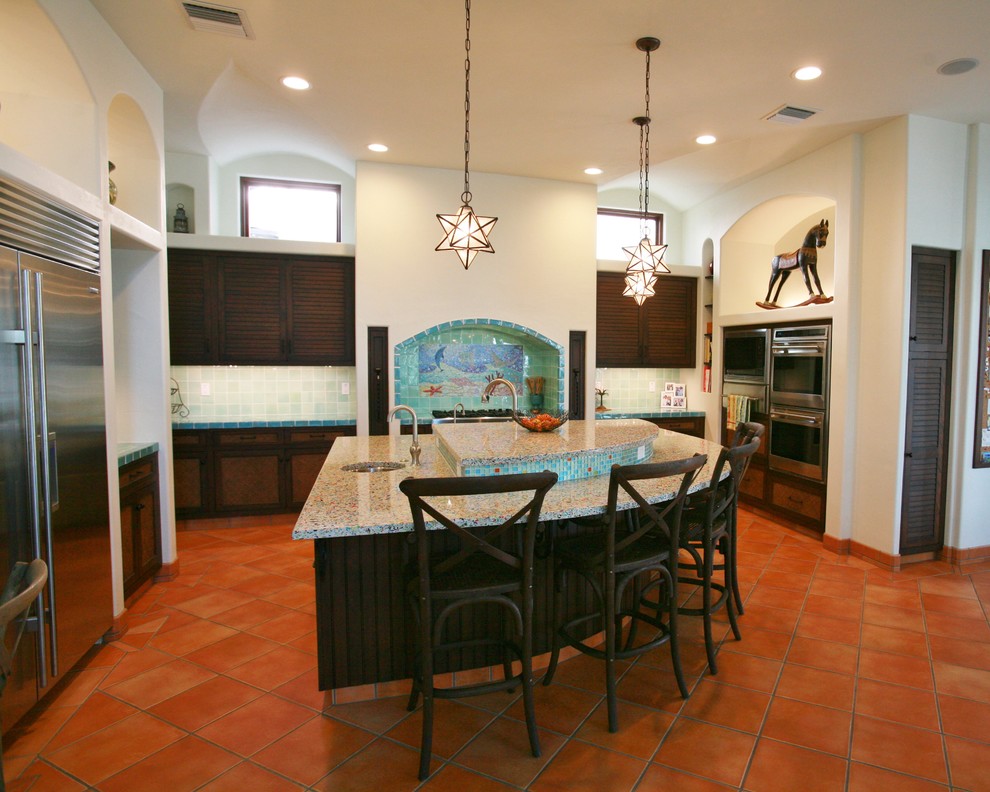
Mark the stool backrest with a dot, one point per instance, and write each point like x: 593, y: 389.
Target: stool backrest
x: 722, y: 494
x: 22, y: 588
x: 663, y: 517
x: 481, y: 534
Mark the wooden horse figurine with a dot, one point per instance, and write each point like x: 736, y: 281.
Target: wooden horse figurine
x: 805, y: 257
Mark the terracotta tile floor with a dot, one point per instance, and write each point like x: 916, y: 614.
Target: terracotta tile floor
x: 847, y: 677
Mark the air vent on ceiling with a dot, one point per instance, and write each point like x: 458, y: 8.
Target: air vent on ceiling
x: 218, y: 19
x: 788, y: 114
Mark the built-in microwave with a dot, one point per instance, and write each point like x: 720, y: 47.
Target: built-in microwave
x: 745, y: 355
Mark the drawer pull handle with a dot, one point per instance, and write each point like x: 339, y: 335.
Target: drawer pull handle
x: 249, y: 437
x: 792, y: 499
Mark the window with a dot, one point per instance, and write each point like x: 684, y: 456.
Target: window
x: 621, y: 228
x: 279, y: 209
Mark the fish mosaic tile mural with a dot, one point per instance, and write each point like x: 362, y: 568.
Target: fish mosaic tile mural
x: 464, y: 369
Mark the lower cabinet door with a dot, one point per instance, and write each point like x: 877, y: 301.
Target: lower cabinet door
x: 248, y: 482
x: 303, y: 468
x: 191, y: 481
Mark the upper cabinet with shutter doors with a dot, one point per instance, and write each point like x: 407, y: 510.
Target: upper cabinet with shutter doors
x: 659, y: 334
x: 192, y: 302
x: 254, y: 309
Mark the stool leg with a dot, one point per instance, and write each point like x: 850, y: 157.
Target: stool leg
x: 527, y: 675
x: 675, y: 645
x: 706, y: 606
x: 610, y: 639
x: 558, y: 596
x: 735, y: 578
x: 730, y: 582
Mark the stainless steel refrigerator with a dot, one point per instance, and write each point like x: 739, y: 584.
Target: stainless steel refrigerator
x: 53, y: 464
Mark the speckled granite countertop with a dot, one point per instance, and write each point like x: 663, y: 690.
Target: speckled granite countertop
x: 349, y: 504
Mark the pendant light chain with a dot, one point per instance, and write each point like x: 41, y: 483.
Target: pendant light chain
x: 465, y: 232
x: 645, y: 134
x: 466, y: 196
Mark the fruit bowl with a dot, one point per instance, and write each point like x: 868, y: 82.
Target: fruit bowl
x: 540, y: 421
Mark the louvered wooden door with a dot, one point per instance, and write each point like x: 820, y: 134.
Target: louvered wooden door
x: 618, y: 340
x: 320, y: 313
x: 251, y: 320
x: 928, y: 394
x: 670, y: 320
x: 191, y: 297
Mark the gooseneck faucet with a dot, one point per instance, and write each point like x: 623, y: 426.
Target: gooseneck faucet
x: 492, y: 384
x: 414, y: 449
x: 455, y: 411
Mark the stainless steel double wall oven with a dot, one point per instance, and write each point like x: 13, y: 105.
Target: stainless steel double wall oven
x: 785, y: 368
x: 799, y: 385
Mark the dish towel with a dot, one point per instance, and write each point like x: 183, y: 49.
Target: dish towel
x: 738, y: 409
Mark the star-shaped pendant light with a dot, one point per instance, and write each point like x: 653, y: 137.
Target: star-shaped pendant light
x: 466, y: 233
x: 639, y: 286
x: 646, y: 258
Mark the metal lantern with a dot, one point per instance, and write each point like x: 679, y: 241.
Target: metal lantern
x: 180, y: 223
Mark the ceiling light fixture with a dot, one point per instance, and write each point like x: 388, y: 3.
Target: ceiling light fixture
x: 379, y: 147
x: 594, y: 171
x: 807, y: 73
x: 296, y: 83
x: 465, y: 232
x: 646, y: 258
x: 705, y: 140
x: 957, y: 66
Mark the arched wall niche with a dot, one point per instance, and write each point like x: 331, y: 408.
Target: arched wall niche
x: 138, y: 173
x: 47, y: 111
x: 748, y: 247
x: 177, y: 193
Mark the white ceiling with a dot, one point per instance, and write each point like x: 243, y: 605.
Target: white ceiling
x: 555, y: 83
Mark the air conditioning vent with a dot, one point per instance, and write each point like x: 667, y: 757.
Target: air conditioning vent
x: 218, y: 19
x: 787, y: 114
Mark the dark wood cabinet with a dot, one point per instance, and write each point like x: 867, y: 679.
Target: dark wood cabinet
x: 232, y: 472
x: 693, y: 425
x: 661, y: 333
x: 192, y: 303
x: 140, y: 522
x: 191, y: 472
x: 253, y: 309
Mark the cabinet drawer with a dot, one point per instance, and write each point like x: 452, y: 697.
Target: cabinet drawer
x: 189, y: 438
x: 316, y: 435
x: 243, y: 437
x: 136, y: 471
x: 807, y: 504
x: 753, y: 483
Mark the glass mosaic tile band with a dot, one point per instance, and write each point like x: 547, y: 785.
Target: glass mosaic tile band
x: 569, y: 468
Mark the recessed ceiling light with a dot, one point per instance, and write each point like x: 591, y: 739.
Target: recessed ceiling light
x: 296, y: 83
x: 807, y: 73
x: 594, y: 171
x: 958, y: 66
x: 705, y: 140
x: 377, y: 147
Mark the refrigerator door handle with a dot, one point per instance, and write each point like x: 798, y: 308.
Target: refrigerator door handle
x: 31, y: 439
x: 50, y: 493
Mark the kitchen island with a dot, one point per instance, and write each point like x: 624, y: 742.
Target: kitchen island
x: 362, y: 531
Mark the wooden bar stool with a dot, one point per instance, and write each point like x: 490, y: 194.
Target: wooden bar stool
x: 745, y: 432
x: 615, y: 557
x: 492, y: 565
x: 706, y: 530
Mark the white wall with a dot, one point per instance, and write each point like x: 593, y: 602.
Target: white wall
x: 828, y: 176
x: 969, y: 488
x: 541, y: 275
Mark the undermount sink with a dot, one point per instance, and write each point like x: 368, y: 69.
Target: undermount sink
x: 373, y: 467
